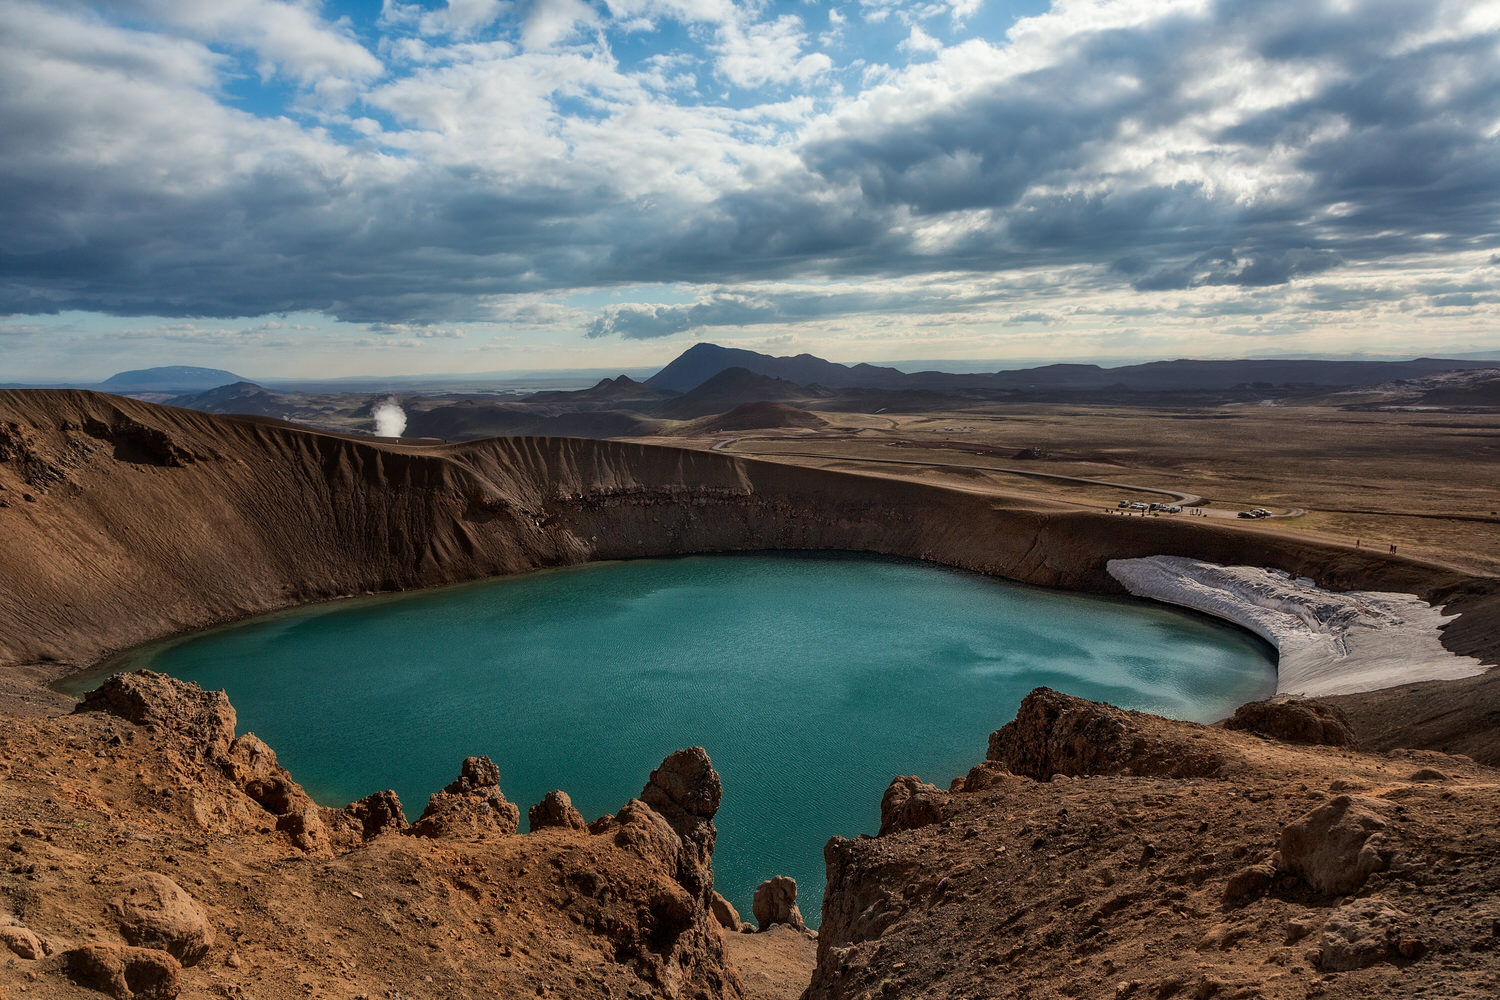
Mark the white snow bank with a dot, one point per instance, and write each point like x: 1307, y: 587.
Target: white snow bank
x: 1329, y: 643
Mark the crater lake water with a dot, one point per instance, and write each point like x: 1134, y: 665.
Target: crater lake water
x: 812, y: 680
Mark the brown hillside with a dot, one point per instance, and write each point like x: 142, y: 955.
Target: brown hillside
x: 757, y: 416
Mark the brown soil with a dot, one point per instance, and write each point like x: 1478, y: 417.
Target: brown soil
x: 1114, y: 878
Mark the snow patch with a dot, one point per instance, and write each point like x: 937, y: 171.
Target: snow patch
x: 1329, y: 643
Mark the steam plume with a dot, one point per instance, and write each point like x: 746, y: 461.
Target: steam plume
x: 390, y: 419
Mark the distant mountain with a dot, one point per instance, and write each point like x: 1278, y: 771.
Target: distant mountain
x: 731, y: 388
x: 757, y: 416
x: 237, y: 397
x: 173, y: 378
x: 613, y: 391
x: 701, y: 362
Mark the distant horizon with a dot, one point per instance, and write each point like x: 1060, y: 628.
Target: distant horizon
x: 958, y: 366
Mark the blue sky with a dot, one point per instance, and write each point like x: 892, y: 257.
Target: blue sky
x: 292, y: 187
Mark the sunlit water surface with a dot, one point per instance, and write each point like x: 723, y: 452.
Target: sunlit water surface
x: 812, y: 680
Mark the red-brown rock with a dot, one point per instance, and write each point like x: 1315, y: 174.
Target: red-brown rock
x: 1055, y: 733
x: 472, y: 805
x: 1337, y: 846
x: 775, y: 902
x: 555, y: 810
x: 910, y: 803
x: 1296, y: 720
x: 155, y: 912
x: 127, y: 973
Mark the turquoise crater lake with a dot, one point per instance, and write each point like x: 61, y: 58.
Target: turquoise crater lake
x: 812, y: 680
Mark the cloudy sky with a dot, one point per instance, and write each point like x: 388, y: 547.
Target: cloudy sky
x: 319, y: 187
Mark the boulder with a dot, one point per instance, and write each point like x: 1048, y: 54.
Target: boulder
x: 1055, y: 733
x: 725, y: 913
x: 1365, y: 932
x: 203, y: 719
x: 126, y: 973
x: 1338, y: 845
x: 775, y: 902
x: 910, y: 803
x: 155, y: 912
x: 472, y: 805
x: 555, y: 810
x: 985, y: 774
x: 685, y: 790
x: 1296, y: 720
x: 22, y: 942
x: 1248, y: 884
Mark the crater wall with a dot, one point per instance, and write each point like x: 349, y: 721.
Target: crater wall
x: 125, y: 522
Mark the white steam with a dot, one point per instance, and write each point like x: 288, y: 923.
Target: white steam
x: 390, y: 419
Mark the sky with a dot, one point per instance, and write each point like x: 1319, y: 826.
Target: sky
x: 335, y: 187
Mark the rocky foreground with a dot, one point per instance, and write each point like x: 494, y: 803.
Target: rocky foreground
x: 1102, y: 853
x: 152, y: 852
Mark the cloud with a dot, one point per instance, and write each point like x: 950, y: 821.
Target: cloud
x: 504, y: 154
x: 551, y: 21
x: 1044, y: 318
x: 458, y: 17
x: 920, y: 41
x: 287, y: 38
x: 769, y: 52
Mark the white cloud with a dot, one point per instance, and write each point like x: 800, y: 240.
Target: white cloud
x: 460, y: 18
x: 767, y: 52
x: 920, y: 41
x: 287, y: 38
x: 552, y: 21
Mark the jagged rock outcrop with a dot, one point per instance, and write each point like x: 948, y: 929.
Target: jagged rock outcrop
x: 1295, y: 720
x: 472, y: 805
x: 1055, y: 733
x: 671, y: 827
x: 155, y: 912
x: 197, y: 734
x: 1337, y: 846
x: 555, y: 810
x: 985, y: 774
x: 377, y: 813
x: 775, y: 902
x: 686, y: 791
x: 253, y: 767
x: 910, y: 803
x: 127, y: 973
x: 644, y: 830
x: 201, y: 721
x: 137, y: 442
